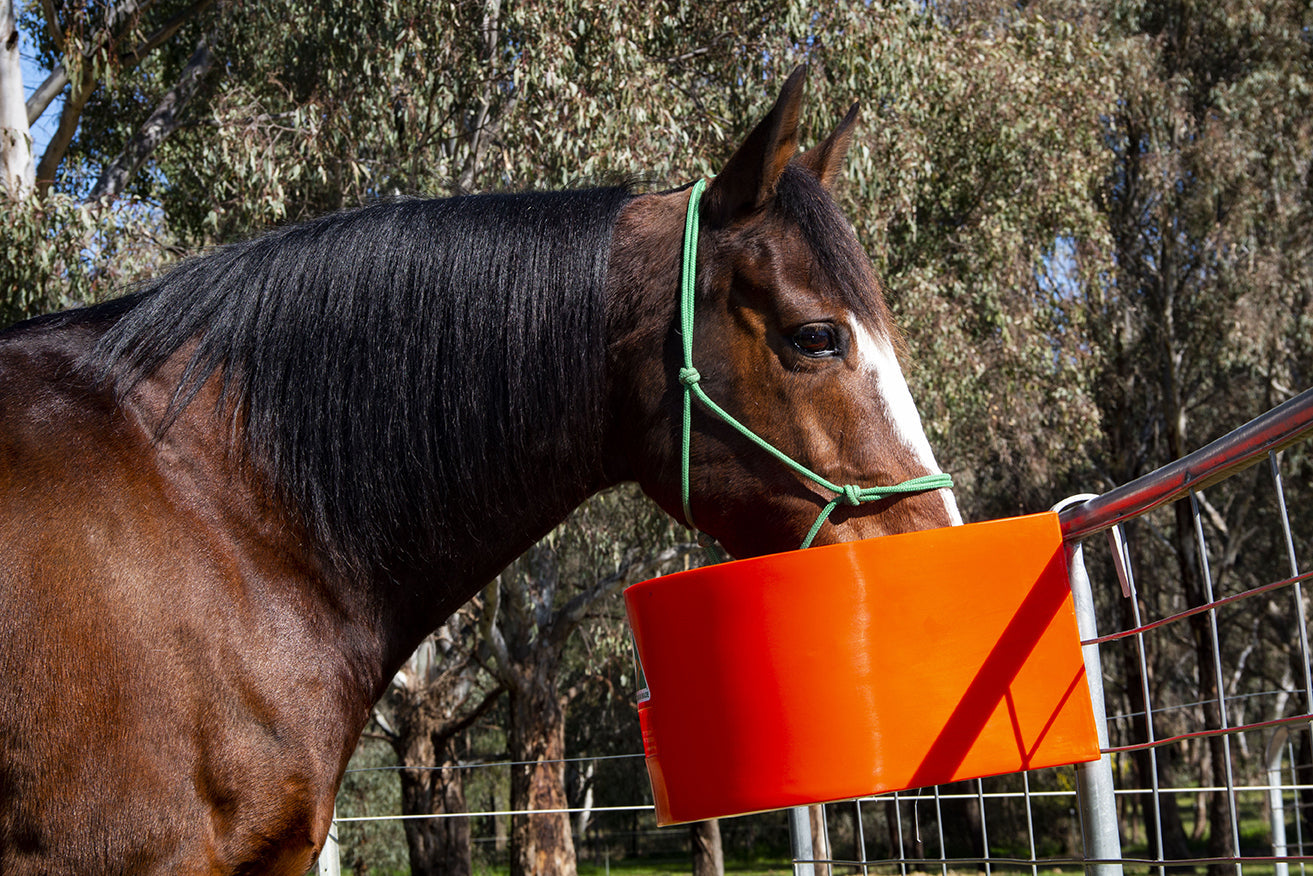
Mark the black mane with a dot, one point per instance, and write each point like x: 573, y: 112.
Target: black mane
x: 803, y: 201
x: 379, y: 354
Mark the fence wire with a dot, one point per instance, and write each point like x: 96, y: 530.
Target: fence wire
x: 1195, y: 629
x: 1203, y: 683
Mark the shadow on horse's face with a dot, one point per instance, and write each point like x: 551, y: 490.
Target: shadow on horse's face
x: 791, y: 337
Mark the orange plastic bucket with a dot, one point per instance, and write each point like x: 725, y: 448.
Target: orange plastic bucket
x: 859, y: 668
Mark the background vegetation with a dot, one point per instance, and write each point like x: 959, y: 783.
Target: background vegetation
x: 1094, y: 220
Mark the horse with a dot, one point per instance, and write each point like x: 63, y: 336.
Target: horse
x: 234, y: 500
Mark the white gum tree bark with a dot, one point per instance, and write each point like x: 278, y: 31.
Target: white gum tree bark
x: 17, y: 164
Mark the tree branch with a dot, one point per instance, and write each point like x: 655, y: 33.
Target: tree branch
x: 166, y: 119
x: 52, y: 22
x: 385, y: 725
x: 491, y: 642
x: 483, y: 127
x: 69, y: 117
x: 165, y: 33
x: 46, y: 92
x: 573, y: 611
x: 59, y: 77
x: 488, y: 702
x: 54, y: 84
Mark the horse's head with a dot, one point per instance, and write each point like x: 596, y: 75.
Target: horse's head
x: 790, y: 337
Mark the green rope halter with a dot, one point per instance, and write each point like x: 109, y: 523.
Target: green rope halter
x: 688, y: 375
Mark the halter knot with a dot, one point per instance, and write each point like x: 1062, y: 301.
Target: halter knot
x: 852, y: 494
x: 689, y: 376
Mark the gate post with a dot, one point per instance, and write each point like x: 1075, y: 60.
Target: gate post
x: 1276, y: 803
x: 328, y: 856
x: 1094, y: 784
x: 800, y: 840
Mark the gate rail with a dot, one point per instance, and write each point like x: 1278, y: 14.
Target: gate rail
x: 1235, y: 451
x: 1105, y: 791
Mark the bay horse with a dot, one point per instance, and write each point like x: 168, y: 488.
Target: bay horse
x: 234, y: 501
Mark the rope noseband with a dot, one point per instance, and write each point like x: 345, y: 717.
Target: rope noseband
x: 849, y: 494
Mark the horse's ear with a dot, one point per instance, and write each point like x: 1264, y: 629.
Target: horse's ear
x: 749, y: 178
x: 825, y: 159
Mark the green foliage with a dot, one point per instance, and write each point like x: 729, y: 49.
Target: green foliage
x: 61, y: 253
x: 460, y: 95
x: 971, y: 182
x: 1207, y: 206
x: 1094, y: 219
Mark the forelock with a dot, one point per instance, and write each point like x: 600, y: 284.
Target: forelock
x: 802, y: 201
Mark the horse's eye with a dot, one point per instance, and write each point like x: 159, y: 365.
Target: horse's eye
x: 816, y: 339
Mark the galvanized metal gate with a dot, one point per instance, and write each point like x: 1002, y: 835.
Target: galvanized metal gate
x: 1198, y: 620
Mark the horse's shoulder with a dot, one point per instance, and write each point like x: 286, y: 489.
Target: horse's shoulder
x: 43, y: 378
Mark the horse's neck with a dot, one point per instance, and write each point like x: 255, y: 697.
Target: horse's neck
x: 375, y: 616
x: 509, y: 526
x: 482, y: 536
x: 642, y: 300
x: 483, y: 533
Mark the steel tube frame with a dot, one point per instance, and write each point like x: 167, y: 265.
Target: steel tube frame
x: 1280, y: 427
x: 1263, y: 436
x: 1095, y: 789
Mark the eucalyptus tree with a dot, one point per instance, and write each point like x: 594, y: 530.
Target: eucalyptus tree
x: 480, y: 95
x: 89, y: 51
x: 440, y: 692
x: 971, y: 183
x: 62, y: 247
x: 533, y: 610
x: 1199, y: 315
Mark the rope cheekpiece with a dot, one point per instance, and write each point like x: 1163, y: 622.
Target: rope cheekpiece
x: 849, y: 494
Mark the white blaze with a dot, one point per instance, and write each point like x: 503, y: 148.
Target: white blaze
x: 877, y: 355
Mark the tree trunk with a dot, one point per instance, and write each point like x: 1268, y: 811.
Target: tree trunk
x: 961, y: 823
x: 1221, y: 839
x: 708, y: 854
x: 820, y: 839
x: 1303, y: 777
x: 437, y: 846
x: 541, y: 845
x: 1174, y: 845
x: 895, y: 828
x: 435, y: 700
x: 524, y: 632
x: 17, y: 165
x: 166, y: 119
x: 501, y: 839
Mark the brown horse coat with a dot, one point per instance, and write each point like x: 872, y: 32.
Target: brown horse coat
x: 232, y: 504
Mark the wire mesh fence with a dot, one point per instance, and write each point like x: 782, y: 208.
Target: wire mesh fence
x: 1197, y: 651
x: 614, y: 825
x: 1194, y: 612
